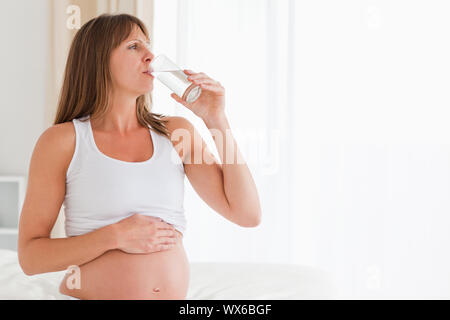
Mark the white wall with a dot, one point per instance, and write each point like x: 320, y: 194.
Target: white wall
x: 24, y: 47
x: 372, y: 162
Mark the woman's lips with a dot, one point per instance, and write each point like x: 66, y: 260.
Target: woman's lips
x: 148, y: 74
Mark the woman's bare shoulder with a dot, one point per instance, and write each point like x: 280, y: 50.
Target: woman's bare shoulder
x: 182, y: 141
x: 64, y: 134
x: 60, y: 141
x: 177, y: 122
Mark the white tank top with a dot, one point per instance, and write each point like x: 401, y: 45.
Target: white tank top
x: 101, y: 190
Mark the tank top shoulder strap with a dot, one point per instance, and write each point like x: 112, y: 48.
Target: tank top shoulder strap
x: 82, y: 147
x: 82, y: 129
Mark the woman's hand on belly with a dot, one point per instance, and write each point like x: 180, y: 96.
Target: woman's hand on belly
x: 144, y: 234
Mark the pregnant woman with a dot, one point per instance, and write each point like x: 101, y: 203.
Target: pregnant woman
x: 117, y: 170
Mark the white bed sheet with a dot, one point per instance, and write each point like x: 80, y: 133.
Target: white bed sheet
x: 209, y: 281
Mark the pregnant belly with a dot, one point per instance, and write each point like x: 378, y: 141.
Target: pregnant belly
x: 120, y: 275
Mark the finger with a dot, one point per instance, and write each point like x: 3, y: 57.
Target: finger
x: 199, y: 76
x: 214, y: 88
x: 179, y: 100
x: 176, y: 97
x: 166, y: 233
x: 159, y: 247
x: 165, y: 247
x: 165, y: 226
x: 167, y: 240
x: 166, y: 229
x: 205, y: 81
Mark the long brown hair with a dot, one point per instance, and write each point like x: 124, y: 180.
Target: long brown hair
x: 87, y: 77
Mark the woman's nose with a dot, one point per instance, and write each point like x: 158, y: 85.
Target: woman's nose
x: 149, y: 55
x: 149, y: 58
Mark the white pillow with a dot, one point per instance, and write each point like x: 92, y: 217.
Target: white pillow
x: 215, y: 281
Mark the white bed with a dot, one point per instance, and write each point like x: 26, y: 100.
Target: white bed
x: 209, y: 281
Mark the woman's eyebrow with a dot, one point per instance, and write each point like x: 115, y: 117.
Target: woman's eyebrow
x: 147, y: 42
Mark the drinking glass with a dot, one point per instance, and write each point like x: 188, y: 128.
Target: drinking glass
x: 174, y: 78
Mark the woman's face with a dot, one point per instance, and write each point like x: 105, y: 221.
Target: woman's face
x: 128, y: 62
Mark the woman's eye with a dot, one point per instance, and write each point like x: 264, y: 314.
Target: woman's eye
x: 133, y: 47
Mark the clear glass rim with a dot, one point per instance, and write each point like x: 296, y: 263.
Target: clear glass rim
x: 167, y: 60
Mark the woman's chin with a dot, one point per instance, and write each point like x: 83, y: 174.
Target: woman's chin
x: 146, y: 90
